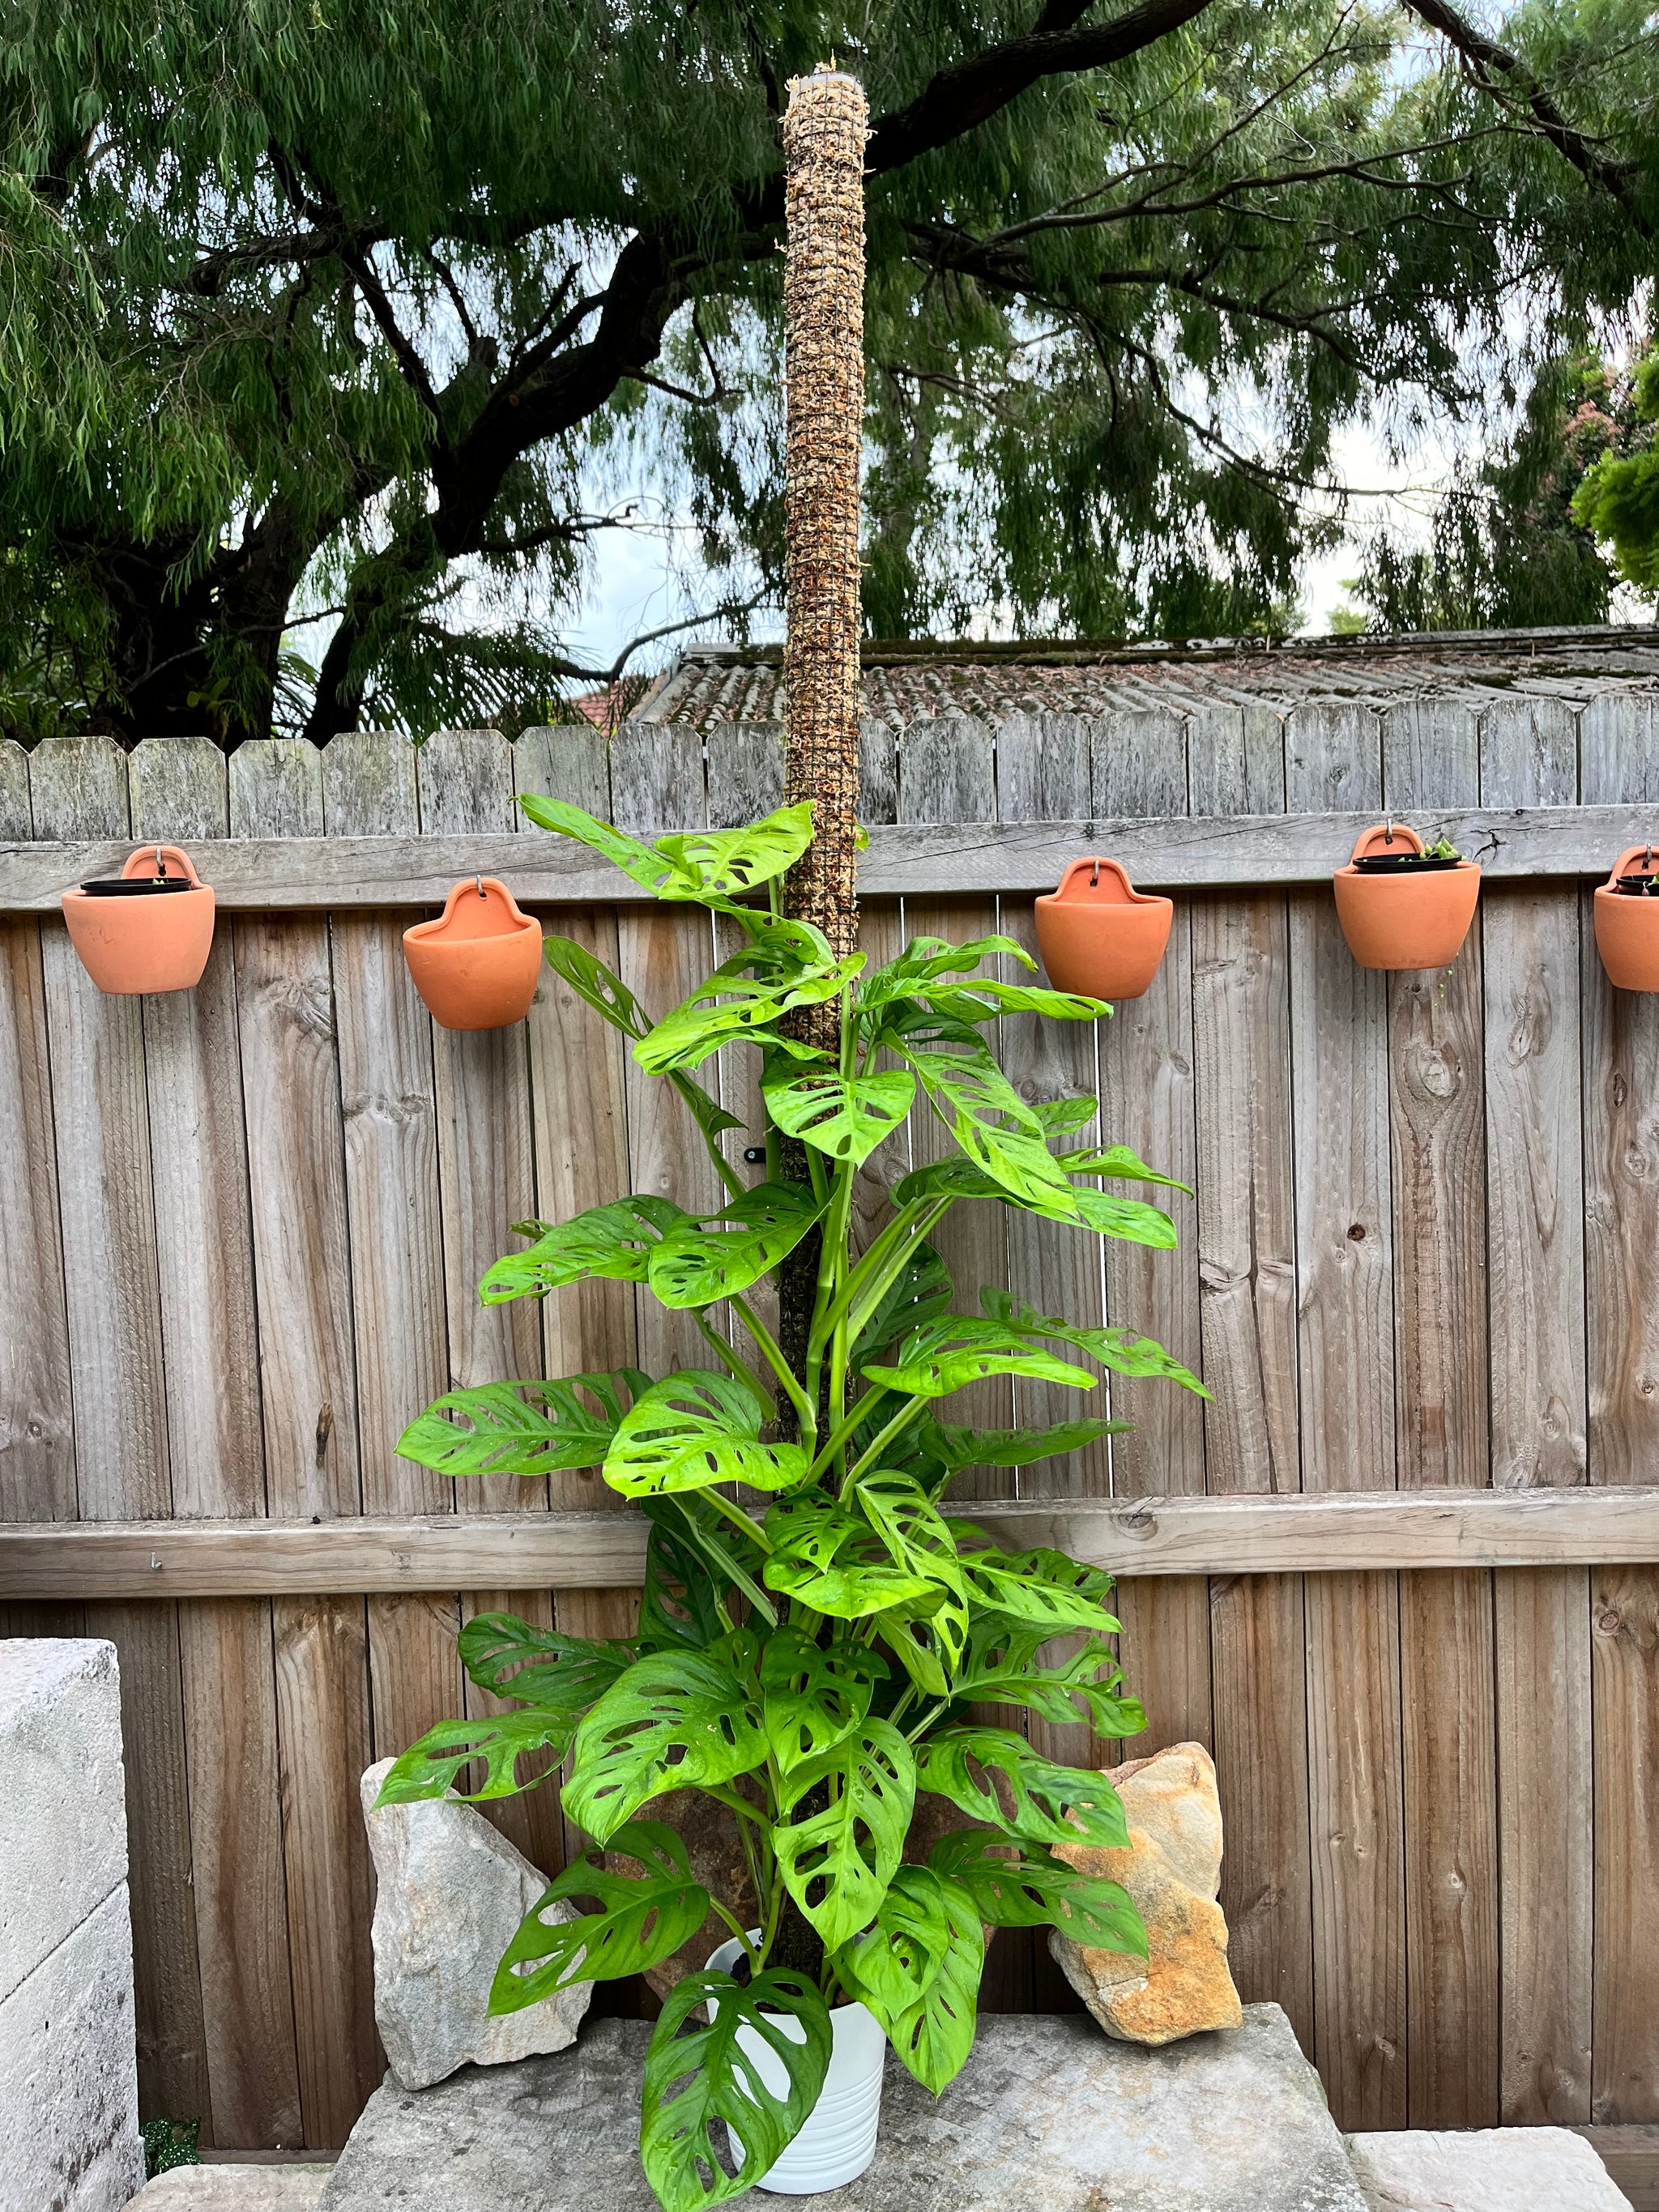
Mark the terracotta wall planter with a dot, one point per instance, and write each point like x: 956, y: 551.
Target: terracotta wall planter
x: 475, y: 966
x: 1099, y: 934
x: 1417, y: 918
x: 1627, y: 923
x: 154, y: 936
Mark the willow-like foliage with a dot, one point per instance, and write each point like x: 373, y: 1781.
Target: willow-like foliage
x: 310, y: 305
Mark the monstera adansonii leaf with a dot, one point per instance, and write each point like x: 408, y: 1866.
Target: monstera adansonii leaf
x: 835, y: 1562
x: 615, y: 1241
x: 525, y: 1428
x: 837, y: 1864
x: 677, y: 1720
x: 975, y: 1767
x: 694, y: 1429
x: 814, y: 1695
x: 430, y: 1768
x: 844, y: 1116
x: 1043, y: 1589
x: 642, y: 1918
x: 1120, y: 1349
x: 1016, y: 1885
x: 703, y: 2082
x: 718, y: 1255
x: 933, y: 2033
x: 958, y: 1349
x: 891, y: 1965
x: 511, y: 1658
x: 1001, y: 1668
x: 734, y: 1005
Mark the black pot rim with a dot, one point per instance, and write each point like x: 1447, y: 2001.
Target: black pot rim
x: 1404, y: 863
x: 136, y: 886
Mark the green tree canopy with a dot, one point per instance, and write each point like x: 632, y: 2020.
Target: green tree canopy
x: 317, y: 305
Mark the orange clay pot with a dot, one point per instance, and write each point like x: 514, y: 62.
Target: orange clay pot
x: 146, y: 941
x: 1099, y: 934
x: 1418, y: 920
x: 475, y: 966
x: 1627, y: 929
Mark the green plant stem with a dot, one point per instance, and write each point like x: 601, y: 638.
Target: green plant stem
x: 741, y: 1933
x: 906, y: 1413
x: 740, y: 1369
x: 735, y: 1185
x: 857, y: 1411
x: 805, y: 1410
x: 735, y: 1514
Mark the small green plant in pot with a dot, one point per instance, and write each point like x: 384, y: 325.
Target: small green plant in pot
x: 816, y: 1618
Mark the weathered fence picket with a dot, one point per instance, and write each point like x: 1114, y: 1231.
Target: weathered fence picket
x: 241, y: 1230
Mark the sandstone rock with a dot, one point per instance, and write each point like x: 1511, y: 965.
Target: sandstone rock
x: 1486, y: 2170
x: 451, y: 1889
x: 1172, y: 1870
x: 1047, y: 2116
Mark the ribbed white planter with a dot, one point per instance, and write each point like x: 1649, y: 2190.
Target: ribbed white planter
x: 839, y: 2139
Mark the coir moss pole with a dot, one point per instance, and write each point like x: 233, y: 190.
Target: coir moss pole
x: 824, y: 133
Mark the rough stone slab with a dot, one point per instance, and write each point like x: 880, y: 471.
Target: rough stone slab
x: 63, y: 1794
x: 233, y: 2188
x: 1486, y: 2170
x: 68, y: 2080
x: 450, y: 1893
x: 1047, y: 2116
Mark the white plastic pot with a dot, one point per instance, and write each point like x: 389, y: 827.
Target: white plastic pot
x: 839, y: 2139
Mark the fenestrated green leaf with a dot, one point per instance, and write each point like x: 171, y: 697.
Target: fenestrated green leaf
x: 719, y: 864
x: 1023, y: 1885
x: 700, y: 2084
x: 693, y: 1428
x: 846, y: 1116
x: 523, y: 1428
x: 734, y: 1005
x: 428, y: 1768
x: 891, y: 1966
x: 1122, y: 1350
x: 919, y: 1292
x: 989, y: 1121
x: 929, y: 960
x: 975, y: 1768
x: 727, y: 1554
x: 511, y: 1658
x: 837, y: 1864
x: 677, y: 1720
x: 908, y: 1523
x: 1011, y: 1663
x: 814, y: 1695
x: 677, y: 1605
x: 719, y: 1255
x: 1057, y: 1115
x: 593, y: 983
x: 947, y: 1354
x: 1117, y: 1162
x: 985, y: 998
x: 1044, y: 1588
x: 1128, y: 1220
x: 643, y: 1919
x: 927, y: 1656
x: 614, y: 1241
x: 642, y: 863
x: 933, y: 2036
x: 834, y: 1561
x: 958, y: 1447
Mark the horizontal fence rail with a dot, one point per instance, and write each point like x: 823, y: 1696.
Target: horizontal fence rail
x: 308, y: 875
x: 1400, y: 1573
x: 1335, y: 1534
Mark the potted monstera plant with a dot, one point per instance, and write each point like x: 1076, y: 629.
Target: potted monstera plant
x: 818, y: 1620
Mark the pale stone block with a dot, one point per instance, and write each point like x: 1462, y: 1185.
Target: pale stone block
x: 63, y: 1794
x: 1047, y: 2116
x: 1485, y: 2170
x: 450, y: 1893
x: 233, y: 2188
x: 69, y: 2075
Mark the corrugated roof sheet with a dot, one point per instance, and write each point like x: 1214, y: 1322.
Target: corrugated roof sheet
x: 735, y: 683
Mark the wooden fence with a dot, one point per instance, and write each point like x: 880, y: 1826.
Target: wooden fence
x: 241, y: 1229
